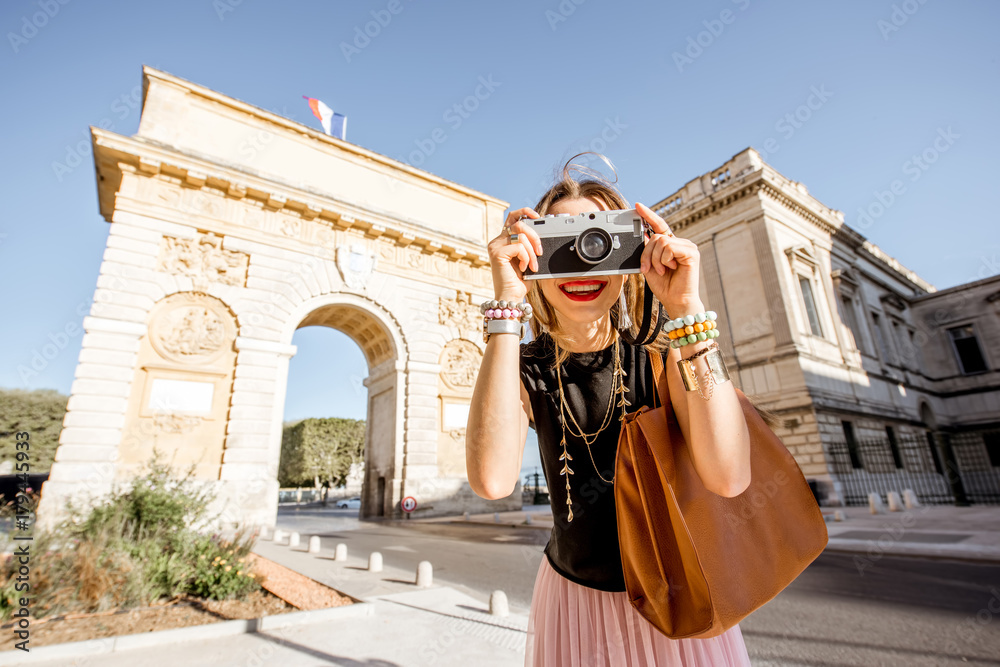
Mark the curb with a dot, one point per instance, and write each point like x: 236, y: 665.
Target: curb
x: 873, y: 552
x: 107, y: 645
x: 502, y: 523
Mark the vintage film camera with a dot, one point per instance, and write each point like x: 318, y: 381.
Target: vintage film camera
x: 595, y: 243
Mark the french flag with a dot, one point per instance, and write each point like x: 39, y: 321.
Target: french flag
x: 334, y: 124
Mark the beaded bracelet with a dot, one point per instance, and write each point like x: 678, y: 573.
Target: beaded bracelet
x: 692, y: 329
x: 506, y: 310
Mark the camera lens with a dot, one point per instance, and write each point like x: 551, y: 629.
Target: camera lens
x: 593, y: 245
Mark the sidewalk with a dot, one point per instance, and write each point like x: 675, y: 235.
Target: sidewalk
x: 400, y: 625
x: 931, y: 531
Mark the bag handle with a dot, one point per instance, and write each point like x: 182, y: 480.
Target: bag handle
x: 659, y: 377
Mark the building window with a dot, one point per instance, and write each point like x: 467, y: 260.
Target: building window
x: 902, y: 344
x: 890, y: 432
x: 935, y: 455
x: 992, y: 441
x: 807, y: 297
x: 850, y: 319
x: 880, y: 337
x: 852, y: 444
x: 970, y: 356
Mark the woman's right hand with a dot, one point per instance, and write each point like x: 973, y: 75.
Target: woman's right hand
x: 509, y: 260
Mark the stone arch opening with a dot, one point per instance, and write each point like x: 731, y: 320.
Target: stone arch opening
x: 325, y: 382
x: 382, y: 344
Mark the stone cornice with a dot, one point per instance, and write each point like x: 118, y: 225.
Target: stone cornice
x: 749, y: 184
x: 794, y: 197
x: 686, y: 216
x: 115, y: 154
x: 776, y: 193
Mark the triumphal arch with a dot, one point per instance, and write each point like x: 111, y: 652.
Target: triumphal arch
x: 231, y: 227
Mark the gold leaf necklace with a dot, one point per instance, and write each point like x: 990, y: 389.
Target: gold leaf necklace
x: 617, y: 388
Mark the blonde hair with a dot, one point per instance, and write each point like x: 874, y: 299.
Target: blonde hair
x: 545, y: 318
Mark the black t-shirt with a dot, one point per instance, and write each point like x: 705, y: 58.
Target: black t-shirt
x: 585, y: 550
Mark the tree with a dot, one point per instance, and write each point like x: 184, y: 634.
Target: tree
x: 40, y: 413
x: 320, y: 451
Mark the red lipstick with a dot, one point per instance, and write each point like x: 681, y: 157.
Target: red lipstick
x: 588, y: 295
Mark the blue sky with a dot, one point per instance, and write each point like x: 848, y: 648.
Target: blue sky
x: 683, y: 85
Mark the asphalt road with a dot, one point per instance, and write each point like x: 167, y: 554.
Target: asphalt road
x: 900, y: 611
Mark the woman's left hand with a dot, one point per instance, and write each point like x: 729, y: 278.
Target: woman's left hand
x: 670, y: 266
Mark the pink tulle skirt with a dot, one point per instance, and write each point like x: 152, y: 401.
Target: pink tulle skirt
x: 574, y: 626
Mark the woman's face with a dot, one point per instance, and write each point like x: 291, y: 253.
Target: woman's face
x: 582, y: 299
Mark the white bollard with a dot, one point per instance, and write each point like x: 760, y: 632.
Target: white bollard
x: 910, y: 499
x: 314, y: 544
x: 293, y: 539
x: 466, y: 516
x: 527, y: 518
x: 340, y: 553
x: 425, y: 574
x: 375, y: 562
x: 498, y: 604
x: 265, y: 533
x: 875, y: 503
x: 838, y: 515
x: 279, y: 535
x: 496, y: 517
x: 895, y: 502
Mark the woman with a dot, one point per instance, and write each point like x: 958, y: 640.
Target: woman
x: 573, y: 383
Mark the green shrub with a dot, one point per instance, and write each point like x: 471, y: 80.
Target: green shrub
x: 40, y: 412
x: 138, y: 547
x: 222, y: 573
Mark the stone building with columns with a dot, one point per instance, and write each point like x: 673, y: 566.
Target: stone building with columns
x: 232, y: 227
x: 842, y: 341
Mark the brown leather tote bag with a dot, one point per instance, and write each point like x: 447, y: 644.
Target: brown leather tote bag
x: 695, y: 562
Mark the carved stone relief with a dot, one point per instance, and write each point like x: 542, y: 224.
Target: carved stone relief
x: 288, y: 226
x: 192, y: 328
x: 460, y: 364
x: 166, y: 422
x: 203, y: 260
x: 459, y: 313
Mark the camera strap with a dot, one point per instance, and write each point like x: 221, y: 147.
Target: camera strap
x: 647, y: 333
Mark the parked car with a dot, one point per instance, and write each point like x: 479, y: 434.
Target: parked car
x: 350, y: 503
